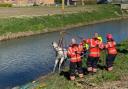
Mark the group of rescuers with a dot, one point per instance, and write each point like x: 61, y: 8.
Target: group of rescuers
x: 93, y: 46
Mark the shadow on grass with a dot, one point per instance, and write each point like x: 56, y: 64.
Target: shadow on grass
x: 123, y: 51
x: 85, y: 71
x: 102, y: 67
x: 66, y: 74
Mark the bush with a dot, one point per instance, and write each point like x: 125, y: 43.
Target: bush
x: 35, y: 4
x: 5, y: 5
x: 90, y: 2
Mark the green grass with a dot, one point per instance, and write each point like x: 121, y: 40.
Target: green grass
x: 40, y: 23
x: 120, y: 73
x: 55, y: 81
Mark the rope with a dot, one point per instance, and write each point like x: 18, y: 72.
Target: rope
x: 60, y: 43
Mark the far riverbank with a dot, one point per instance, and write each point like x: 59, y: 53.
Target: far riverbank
x: 11, y: 28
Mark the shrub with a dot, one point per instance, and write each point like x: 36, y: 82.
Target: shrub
x: 5, y: 5
x: 35, y: 4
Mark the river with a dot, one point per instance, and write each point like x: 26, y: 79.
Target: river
x: 25, y: 59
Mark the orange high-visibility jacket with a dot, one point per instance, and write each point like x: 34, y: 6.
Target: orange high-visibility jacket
x: 111, y: 47
x: 74, y: 52
x: 81, y: 45
x: 95, y: 47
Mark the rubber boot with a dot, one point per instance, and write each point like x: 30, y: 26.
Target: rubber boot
x: 94, y: 70
x: 72, y: 78
x: 89, y: 69
x: 81, y: 75
x: 110, y: 68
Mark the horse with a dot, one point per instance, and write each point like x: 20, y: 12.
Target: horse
x: 61, y: 55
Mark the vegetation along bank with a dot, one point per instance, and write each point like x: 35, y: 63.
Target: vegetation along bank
x: 116, y: 79
x: 19, y: 27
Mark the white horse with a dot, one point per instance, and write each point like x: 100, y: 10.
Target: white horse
x: 60, y: 57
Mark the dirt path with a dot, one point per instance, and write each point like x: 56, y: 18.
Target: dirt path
x: 120, y: 84
x: 39, y: 11
x: 105, y: 85
x: 114, y: 85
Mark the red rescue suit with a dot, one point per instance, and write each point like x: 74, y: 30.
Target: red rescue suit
x: 74, y: 52
x: 94, y: 47
x: 111, y: 47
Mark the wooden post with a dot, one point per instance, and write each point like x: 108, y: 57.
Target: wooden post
x: 63, y: 6
x: 68, y: 3
x: 82, y: 1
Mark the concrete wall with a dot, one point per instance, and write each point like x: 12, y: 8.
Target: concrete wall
x: 124, y: 6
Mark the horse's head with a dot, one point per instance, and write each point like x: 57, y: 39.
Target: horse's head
x: 60, y: 51
x: 54, y: 44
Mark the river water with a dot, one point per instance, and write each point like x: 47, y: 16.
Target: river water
x: 25, y: 59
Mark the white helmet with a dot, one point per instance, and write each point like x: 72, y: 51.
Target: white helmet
x: 96, y: 34
x: 73, y: 41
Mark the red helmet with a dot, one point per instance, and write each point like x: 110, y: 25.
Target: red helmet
x: 109, y: 36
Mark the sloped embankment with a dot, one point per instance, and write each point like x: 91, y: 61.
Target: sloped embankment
x: 117, y: 79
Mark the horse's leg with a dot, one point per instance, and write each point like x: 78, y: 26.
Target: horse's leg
x: 60, y: 63
x: 56, y: 62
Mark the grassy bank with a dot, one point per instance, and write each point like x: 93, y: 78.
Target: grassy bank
x: 15, y: 27
x: 117, y: 79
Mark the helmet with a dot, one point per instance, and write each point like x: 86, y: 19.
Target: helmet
x: 109, y: 36
x: 99, y: 38
x: 73, y: 41
x: 84, y: 40
x: 96, y: 34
